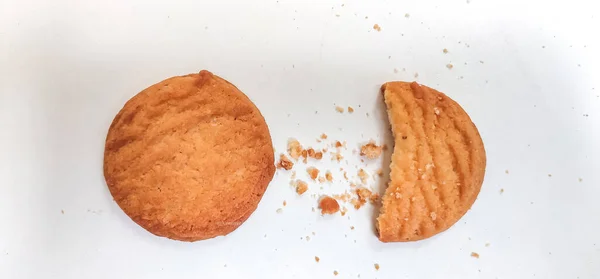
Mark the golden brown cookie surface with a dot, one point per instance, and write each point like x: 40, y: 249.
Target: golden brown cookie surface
x: 189, y: 158
x: 437, y: 167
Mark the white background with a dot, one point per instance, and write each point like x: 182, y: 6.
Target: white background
x: 526, y: 71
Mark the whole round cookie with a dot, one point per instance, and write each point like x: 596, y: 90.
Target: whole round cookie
x: 189, y: 158
x: 437, y: 167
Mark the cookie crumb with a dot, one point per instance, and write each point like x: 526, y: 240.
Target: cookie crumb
x: 319, y: 155
x: 377, y: 27
x: 501, y: 190
x: 339, y: 109
x: 343, y: 211
x: 317, y: 259
x: 337, y: 156
x: 338, y: 144
x: 380, y: 173
x: 329, y: 176
x: 474, y: 255
x: 311, y: 152
x: 313, y: 172
x: 363, y: 195
x: 284, y: 203
x: 371, y: 150
x: 321, y: 180
x: 323, y: 136
x: 352, y: 227
x: 294, y: 149
x: 449, y: 66
x: 445, y: 51
x: 328, y: 205
x: 350, y: 109
x: 363, y: 175
x: 301, y: 187
x: 285, y: 163
x: 376, y: 266
x: 293, y: 175
x: 279, y: 210
x: 335, y: 272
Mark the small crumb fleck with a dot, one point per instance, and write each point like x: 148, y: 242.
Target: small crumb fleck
x: 313, y: 172
x: 506, y: 171
x: 580, y: 179
x: 445, y: 50
x: 317, y: 259
x: 321, y: 180
x: 449, y: 66
x: 370, y: 150
x: 335, y: 272
x: 323, y: 136
x: 307, y: 238
x: 487, y: 244
x: 376, y: 266
x: 363, y: 175
x: 329, y: 176
x: 328, y: 205
x: 293, y: 176
x: 62, y: 211
x: 416, y: 75
x: 279, y: 210
x: 284, y: 203
x: 284, y: 163
x: 474, y: 255
x: 350, y: 109
x: 339, y: 109
x: 549, y: 175
x: 351, y: 227
x: 501, y: 190
x: 406, y: 15
x: 377, y: 27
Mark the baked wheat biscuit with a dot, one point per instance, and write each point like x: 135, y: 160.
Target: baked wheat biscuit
x: 189, y: 158
x: 437, y: 165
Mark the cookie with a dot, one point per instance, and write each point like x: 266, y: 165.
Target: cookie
x: 437, y: 166
x: 189, y: 158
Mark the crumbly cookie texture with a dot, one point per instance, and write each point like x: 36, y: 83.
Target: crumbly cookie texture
x: 437, y: 167
x: 189, y: 158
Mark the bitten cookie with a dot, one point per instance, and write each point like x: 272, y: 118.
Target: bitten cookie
x: 189, y: 158
x: 437, y: 167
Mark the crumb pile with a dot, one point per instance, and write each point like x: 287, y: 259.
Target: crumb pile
x: 354, y: 188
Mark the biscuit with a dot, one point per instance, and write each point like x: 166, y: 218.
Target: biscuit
x: 189, y: 158
x: 437, y: 165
